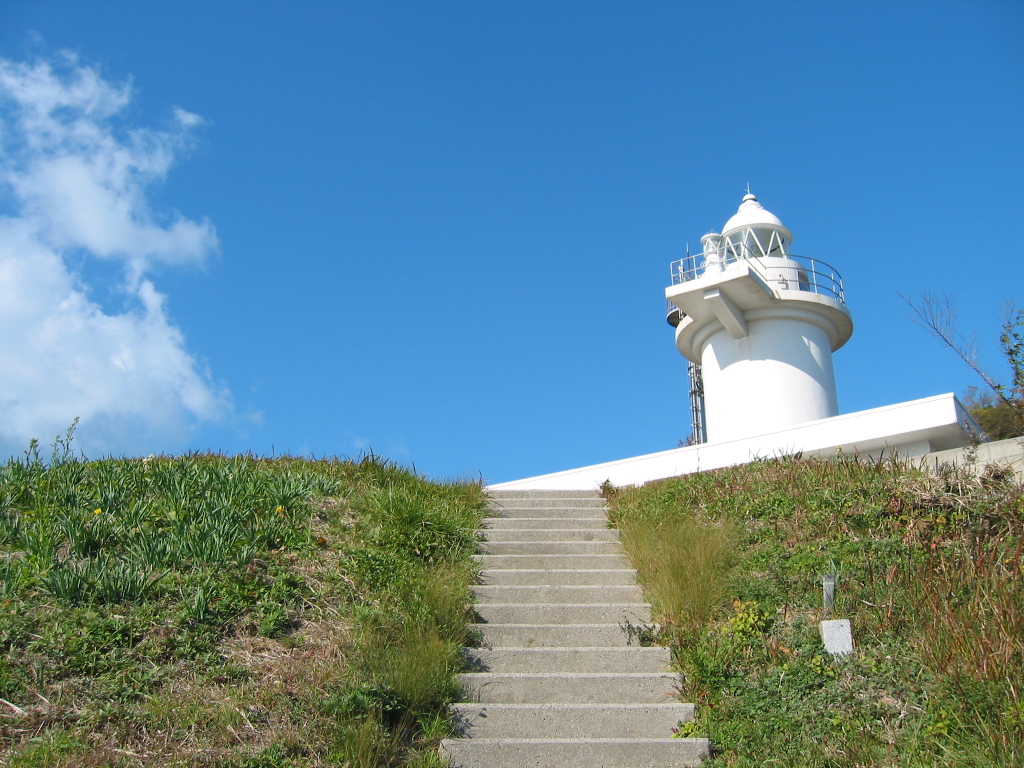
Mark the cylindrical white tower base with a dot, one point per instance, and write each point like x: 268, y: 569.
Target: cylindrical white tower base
x: 778, y: 375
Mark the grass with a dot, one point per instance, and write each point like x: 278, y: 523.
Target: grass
x: 681, y: 564
x: 231, y: 612
x: 928, y: 569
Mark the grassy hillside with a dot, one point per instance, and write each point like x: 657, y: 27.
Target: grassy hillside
x: 230, y: 612
x: 928, y: 571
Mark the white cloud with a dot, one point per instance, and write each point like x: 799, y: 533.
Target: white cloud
x: 360, y: 444
x: 73, y: 180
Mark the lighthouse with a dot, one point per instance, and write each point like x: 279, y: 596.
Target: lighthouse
x: 762, y: 324
x: 758, y: 325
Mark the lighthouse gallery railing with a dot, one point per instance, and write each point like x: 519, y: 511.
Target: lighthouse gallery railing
x: 806, y: 274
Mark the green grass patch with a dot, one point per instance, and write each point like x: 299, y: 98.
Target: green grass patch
x: 928, y: 568
x: 234, y: 612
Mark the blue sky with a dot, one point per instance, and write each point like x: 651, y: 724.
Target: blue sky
x: 443, y: 230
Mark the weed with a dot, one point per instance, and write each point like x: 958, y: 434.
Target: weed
x: 13, y: 577
x: 682, y: 563
x: 366, y: 744
x: 644, y: 635
x: 367, y: 700
x: 57, y: 749
x: 607, y: 490
x: 273, y: 619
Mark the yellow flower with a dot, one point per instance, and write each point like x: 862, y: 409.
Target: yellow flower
x: 279, y: 509
x: 97, y: 511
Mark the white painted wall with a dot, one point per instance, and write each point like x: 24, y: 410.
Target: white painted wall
x: 778, y: 375
x: 766, y: 355
x: 913, y: 428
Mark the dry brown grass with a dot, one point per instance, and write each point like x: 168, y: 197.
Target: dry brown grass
x: 682, y: 565
x: 196, y: 721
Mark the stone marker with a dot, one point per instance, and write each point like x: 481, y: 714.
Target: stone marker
x: 837, y: 637
x: 828, y: 587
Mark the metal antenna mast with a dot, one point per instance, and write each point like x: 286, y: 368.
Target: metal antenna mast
x: 697, y: 418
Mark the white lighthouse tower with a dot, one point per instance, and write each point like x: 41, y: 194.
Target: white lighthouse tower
x: 762, y: 324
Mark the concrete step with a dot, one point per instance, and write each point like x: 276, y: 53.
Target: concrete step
x: 534, y: 502
x: 544, y: 523
x: 552, y: 577
x: 496, y: 494
x: 588, y: 721
x: 551, y: 635
x: 549, y: 547
x: 595, y: 593
x: 529, y: 660
x: 596, y: 613
x: 575, y: 753
x: 555, y: 681
x: 552, y: 534
x: 552, y: 562
x: 555, y: 511
x: 568, y: 688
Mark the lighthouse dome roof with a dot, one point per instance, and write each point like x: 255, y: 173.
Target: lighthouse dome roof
x: 752, y: 214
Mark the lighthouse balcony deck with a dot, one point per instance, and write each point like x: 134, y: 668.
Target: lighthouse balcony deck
x: 783, y: 271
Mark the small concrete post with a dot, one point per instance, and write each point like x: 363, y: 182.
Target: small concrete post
x: 828, y: 586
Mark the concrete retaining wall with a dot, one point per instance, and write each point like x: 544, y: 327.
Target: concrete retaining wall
x: 1008, y: 453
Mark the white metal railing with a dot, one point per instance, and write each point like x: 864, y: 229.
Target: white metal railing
x: 785, y: 270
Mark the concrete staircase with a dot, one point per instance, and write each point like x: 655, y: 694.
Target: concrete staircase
x: 554, y: 681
